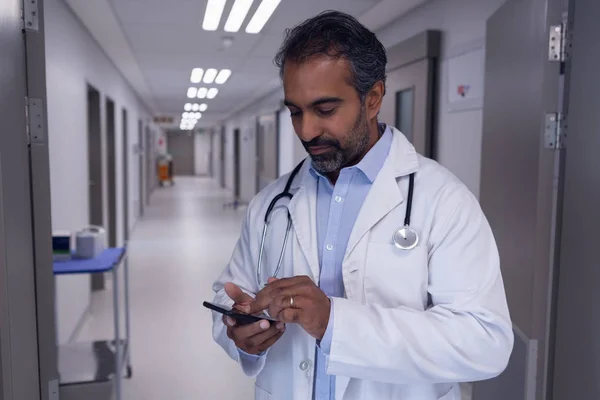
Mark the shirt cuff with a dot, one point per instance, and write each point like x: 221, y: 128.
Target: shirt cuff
x: 249, y: 357
x: 325, y: 343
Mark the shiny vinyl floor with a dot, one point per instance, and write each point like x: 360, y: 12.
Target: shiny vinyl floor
x: 179, y: 248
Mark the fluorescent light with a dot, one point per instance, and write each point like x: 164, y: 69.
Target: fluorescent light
x: 210, y: 75
x: 202, y: 92
x: 191, y: 93
x: 188, y: 107
x: 195, y: 107
x: 197, y: 115
x: 212, y: 93
x: 197, y: 75
x: 203, y: 107
x: 214, y: 11
x: 185, y: 115
x: 237, y: 15
x: 262, y: 15
x: 223, y: 76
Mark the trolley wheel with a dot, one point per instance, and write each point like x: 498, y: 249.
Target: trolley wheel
x: 129, y: 372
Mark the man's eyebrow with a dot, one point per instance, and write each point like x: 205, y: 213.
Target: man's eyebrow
x: 322, y: 100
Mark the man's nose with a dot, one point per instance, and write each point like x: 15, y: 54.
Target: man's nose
x: 309, y: 128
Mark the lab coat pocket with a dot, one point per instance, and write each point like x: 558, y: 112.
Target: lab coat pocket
x: 261, y: 394
x: 395, y: 277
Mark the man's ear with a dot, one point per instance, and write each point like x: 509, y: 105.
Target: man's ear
x: 374, y: 99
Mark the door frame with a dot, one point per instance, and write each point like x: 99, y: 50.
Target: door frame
x: 28, y: 357
x: 419, y: 51
x: 125, y: 158
x: 111, y: 169
x: 140, y: 153
x: 237, y: 173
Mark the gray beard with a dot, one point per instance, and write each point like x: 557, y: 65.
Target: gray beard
x: 355, y: 147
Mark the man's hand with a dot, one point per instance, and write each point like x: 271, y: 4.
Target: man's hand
x: 252, y: 338
x: 309, y: 308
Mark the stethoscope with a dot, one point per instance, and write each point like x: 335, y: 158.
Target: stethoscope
x: 404, y: 238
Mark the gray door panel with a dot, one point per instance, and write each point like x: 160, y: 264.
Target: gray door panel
x: 518, y: 183
x: 18, y: 325
x: 577, y: 359
x: 181, y: 147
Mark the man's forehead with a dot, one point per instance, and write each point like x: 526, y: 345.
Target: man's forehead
x: 315, y: 78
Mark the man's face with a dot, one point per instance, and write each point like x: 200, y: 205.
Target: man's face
x: 327, y: 113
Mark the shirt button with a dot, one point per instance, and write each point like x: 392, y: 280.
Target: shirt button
x: 304, y: 365
x: 329, y: 247
x: 338, y: 199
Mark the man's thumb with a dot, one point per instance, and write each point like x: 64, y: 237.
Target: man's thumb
x: 236, y: 294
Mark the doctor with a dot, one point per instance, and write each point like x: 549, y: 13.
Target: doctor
x: 366, y: 309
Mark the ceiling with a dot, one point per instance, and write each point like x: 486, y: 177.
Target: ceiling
x: 157, y: 43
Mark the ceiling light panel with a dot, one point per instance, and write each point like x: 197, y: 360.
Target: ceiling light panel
x: 210, y: 75
x: 197, y: 75
x: 237, y: 15
x: 202, y: 107
x: 202, y: 92
x: 212, y: 17
x: 212, y: 93
x: 188, y: 107
x: 261, y: 16
x: 191, y: 93
x: 195, y: 107
x: 223, y: 76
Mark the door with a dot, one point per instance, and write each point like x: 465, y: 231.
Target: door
x: 412, y: 90
x: 28, y: 367
x: 519, y: 189
x: 96, y: 195
x: 222, y: 153
x: 266, y: 150
x: 149, y: 165
x: 140, y: 153
x: 125, y: 150
x: 236, y: 164
x: 413, y: 99
x: 181, y: 147
x: 577, y: 360
x: 111, y: 163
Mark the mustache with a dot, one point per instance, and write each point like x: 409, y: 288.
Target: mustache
x: 321, y: 142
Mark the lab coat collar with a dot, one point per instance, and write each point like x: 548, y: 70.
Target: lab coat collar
x: 402, y: 160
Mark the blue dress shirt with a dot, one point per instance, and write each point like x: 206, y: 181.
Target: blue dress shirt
x: 337, y: 210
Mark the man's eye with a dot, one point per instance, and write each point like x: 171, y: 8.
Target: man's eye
x: 295, y: 113
x: 326, y: 112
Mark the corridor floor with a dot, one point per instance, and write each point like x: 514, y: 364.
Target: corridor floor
x: 176, y: 252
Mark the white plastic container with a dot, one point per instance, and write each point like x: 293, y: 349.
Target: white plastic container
x: 90, y: 242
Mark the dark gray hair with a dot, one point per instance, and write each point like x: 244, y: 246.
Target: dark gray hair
x: 337, y: 35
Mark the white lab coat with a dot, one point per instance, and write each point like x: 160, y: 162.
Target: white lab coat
x: 387, y: 343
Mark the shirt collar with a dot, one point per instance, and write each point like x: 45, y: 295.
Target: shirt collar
x: 371, y: 163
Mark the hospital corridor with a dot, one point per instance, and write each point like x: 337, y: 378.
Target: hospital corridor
x: 299, y: 199
x: 180, y: 247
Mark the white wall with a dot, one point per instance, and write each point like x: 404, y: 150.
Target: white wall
x: 202, y: 153
x: 74, y: 59
x: 462, y: 23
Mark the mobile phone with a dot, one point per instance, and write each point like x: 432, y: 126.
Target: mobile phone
x: 240, y: 318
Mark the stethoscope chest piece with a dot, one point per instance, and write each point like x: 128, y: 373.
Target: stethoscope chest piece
x: 405, y: 238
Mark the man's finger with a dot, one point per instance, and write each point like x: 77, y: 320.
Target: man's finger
x: 287, y: 286
x: 281, y: 302
x: 249, y: 330
x: 260, y: 338
x: 270, y: 342
x: 236, y: 294
x: 290, y: 315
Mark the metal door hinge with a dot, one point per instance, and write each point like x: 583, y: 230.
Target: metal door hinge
x: 559, y: 43
x: 555, y: 132
x: 31, y: 18
x: 36, y: 129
